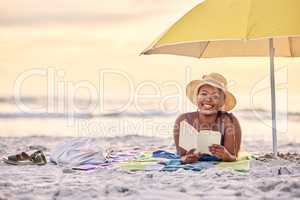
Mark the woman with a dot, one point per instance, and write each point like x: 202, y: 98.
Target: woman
x: 213, y: 100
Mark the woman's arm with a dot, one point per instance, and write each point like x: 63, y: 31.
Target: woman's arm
x: 232, y: 141
x: 176, y: 133
x: 233, y: 136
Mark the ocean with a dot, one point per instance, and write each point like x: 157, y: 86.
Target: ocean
x: 146, y: 119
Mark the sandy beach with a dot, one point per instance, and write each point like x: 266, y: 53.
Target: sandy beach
x: 267, y: 179
x: 82, y: 69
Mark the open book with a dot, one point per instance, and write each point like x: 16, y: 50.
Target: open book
x: 190, y: 138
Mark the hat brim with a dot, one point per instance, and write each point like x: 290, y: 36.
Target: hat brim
x: 192, y: 93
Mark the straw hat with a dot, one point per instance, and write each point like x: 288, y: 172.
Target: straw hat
x: 215, y: 80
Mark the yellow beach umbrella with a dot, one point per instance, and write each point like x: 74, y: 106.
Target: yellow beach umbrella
x: 236, y: 28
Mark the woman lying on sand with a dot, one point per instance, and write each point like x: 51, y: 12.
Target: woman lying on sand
x: 213, y: 101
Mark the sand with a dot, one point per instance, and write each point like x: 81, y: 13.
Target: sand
x: 267, y: 179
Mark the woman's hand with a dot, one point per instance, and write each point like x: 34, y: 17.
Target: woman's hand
x: 191, y: 157
x: 222, y: 153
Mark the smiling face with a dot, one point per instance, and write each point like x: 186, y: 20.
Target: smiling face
x: 210, y: 99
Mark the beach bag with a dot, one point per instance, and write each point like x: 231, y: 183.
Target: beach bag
x: 76, y: 152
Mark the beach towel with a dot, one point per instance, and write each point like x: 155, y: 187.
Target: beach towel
x: 241, y: 165
x: 112, y: 157
x: 169, y: 155
x: 143, y: 162
x: 89, y: 167
x: 175, y: 164
x: 84, y: 154
x: 160, y: 161
x: 165, y: 154
x: 121, y: 155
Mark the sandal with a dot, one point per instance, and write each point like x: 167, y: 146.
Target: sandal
x: 19, y: 157
x: 37, y: 158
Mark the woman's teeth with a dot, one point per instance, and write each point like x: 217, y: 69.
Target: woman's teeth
x: 206, y: 106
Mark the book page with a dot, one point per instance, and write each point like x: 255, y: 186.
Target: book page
x: 190, y: 138
x: 206, y: 138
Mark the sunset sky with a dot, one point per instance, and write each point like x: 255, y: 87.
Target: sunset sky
x: 83, y: 37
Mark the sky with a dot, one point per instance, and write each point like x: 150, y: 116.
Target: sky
x: 79, y: 39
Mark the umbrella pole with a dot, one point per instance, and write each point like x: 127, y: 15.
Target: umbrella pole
x: 273, y: 97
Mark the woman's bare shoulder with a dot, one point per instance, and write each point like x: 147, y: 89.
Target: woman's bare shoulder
x: 230, y: 118
x: 231, y: 121
x: 184, y: 116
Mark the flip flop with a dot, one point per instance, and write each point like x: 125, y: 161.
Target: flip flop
x: 37, y: 158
